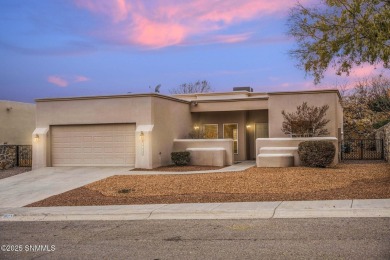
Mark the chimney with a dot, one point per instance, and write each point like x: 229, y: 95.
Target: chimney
x: 249, y: 89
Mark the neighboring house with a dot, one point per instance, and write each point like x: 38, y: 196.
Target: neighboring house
x: 17, y: 122
x: 140, y: 129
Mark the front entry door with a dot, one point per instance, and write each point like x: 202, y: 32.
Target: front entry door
x: 230, y: 131
x: 261, y: 131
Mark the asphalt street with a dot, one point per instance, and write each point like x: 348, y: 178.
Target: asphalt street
x: 325, y: 238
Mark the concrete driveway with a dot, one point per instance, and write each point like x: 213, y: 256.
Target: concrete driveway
x: 23, y: 189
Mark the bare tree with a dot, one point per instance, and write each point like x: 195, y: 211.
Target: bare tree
x: 156, y: 88
x: 366, y: 107
x: 188, y: 88
x: 306, y: 121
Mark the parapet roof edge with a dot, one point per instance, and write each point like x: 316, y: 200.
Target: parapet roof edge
x: 260, y: 93
x: 220, y: 93
x: 306, y: 92
x: 113, y: 96
x: 230, y: 100
x: 26, y: 103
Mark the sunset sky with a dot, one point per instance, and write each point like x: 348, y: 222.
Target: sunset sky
x: 61, y: 48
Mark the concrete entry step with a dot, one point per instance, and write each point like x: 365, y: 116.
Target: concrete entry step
x: 282, y: 150
x: 275, y: 160
x: 277, y: 149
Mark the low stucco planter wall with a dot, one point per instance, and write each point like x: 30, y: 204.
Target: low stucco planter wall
x: 213, y: 152
x: 292, y: 142
x: 207, y: 156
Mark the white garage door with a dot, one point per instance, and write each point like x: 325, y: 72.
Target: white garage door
x: 93, y: 145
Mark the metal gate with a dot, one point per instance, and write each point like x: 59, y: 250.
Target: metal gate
x: 362, y: 149
x: 24, y: 155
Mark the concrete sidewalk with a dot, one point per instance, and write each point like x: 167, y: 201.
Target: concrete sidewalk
x: 244, y: 210
x: 241, y: 166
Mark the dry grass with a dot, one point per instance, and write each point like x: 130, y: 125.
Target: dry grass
x: 345, y: 181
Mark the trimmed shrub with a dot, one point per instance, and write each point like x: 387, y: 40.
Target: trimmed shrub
x: 316, y: 153
x: 180, y: 158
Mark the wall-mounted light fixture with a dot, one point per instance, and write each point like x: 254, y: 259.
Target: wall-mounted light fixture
x: 248, y: 126
x: 36, y: 138
x: 196, y: 127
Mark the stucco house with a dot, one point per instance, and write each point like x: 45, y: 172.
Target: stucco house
x: 141, y: 130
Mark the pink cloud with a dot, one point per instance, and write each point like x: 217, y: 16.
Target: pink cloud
x: 232, y: 38
x: 302, y: 85
x: 152, y: 34
x: 117, y: 10
x: 364, y: 71
x: 233, y: 11
x: 80, y: 79
x: 359, y: 73
x: 62, y: 81
x: 57, y: 80
x: 162, y: 23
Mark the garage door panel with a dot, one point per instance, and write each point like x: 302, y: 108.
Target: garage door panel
x: 93, y: 145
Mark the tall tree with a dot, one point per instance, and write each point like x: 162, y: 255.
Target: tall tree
x: 306, y: 121
x: 197, y: 87
x: 340, y: 34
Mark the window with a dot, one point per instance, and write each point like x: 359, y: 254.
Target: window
x: 210, y: 131
x: 230, y: 131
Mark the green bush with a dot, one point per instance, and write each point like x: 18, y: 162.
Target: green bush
x: 180, y: 158
x: 316, y: 153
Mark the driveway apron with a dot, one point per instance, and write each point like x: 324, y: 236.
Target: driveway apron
x: 29, y: 187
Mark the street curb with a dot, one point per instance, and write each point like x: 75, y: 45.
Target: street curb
x: 376, y: 208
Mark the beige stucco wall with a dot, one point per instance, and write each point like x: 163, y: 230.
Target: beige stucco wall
x: 94, y: 111
x: 340, y: 119
x: 289, y: 102
x: 89, y: 110
x: 232, y: 105
x: 171, y: 120
x: 181, y: 145
x: 17, y: 122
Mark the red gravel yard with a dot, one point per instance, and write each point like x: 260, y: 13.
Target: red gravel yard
x: 344, y: 181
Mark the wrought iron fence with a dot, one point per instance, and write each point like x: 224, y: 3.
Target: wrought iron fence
x: 15, y: 155
x: 24, y: 155
x: 362, y: 149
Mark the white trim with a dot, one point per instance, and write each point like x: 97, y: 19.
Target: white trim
x: 144, y: 128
